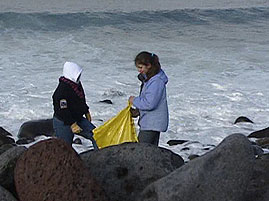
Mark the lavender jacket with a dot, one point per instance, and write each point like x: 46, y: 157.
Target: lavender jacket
x: 152, y: 104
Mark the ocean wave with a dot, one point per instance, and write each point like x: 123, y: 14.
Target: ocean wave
x: 70, y: 21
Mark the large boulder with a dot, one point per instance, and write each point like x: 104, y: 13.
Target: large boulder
x: 220, y: 175
x: 8, y: 161
x: 258, y: 188
x: 34, y: 128
x: 5, y: 195
x: 51, y: 170
x: 125, y: 170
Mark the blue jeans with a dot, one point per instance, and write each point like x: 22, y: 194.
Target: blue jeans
x: 151, y: 137
x: 64, y: 131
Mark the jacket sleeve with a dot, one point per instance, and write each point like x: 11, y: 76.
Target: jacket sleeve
x: 151, y: 97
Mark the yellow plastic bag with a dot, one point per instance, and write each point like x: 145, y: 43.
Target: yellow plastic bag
x: 117, y: 130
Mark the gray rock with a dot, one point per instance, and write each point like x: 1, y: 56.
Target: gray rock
x: 5, y: 195
x: 193, y: 156
x: 257, y: 150
x: 32, y: 129
x: 220, y: 175
x: 5, y: 137
x: 125, y: 170
x: 4, y: 132
x: 258, y: 188
x: 7, y: 165
x: 5, y: 147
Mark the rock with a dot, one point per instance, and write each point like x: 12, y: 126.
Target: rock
x: 257, y: 150
x: 8, y: 161
x: 262, y: 141
x: 51, y: 170
x: 193, y: 156
x: 258, y: 188
x: 4, y: 132
x: 32, y: 129
x: 125, y: 170
x: 260, y: 134
x: 5, y: 195
x: 220, y: 175
x: 243, y: 119
x: 5, y: 147
x: 24, y: 140
x: 175, y: 142
x: 185, y: 149
x: 5, y: 137
x: 106, y: 101
x: 77, y: 141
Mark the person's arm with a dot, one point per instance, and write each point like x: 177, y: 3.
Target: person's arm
x: 152, y: 96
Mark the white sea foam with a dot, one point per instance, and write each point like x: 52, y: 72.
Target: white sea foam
x: 217, y: 67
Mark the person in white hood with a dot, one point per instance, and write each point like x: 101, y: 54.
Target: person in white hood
x: 70, y: 106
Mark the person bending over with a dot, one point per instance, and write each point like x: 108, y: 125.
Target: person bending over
x: 70, y: 107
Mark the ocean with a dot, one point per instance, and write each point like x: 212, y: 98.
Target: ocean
x: 214, y: 53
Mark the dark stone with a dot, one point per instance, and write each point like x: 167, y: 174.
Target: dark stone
x: 193, y: 156
x: 257, y: 150
x: 24, y: 140
x: 4, y: 132
x: 175, y: 142
x: 185, y: 149
x: 106, y: 101
x: 263, y: 142
x: 5, y: 137
x: 8, y: 161
x: 260, y: 134
x: 32, y: 129
x: 77, y: 141
x: 5, y: 195
x: 5, y: 147
x: 258, y: 188
x: 219, y: 175
x: 125, y: 170
x: 243, y: 119
x: 51, y: 170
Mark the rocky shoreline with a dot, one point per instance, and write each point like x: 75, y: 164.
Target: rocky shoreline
x: 235, y: 170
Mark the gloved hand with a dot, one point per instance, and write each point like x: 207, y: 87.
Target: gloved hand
x: 88, y: 116
x: 75, y: 128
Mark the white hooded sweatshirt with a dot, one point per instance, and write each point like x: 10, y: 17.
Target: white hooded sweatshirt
x: 72, y: 71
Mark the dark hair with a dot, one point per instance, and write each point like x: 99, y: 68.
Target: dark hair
x: 146, y: 58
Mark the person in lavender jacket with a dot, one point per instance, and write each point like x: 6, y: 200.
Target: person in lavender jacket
x: 152, y: 101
